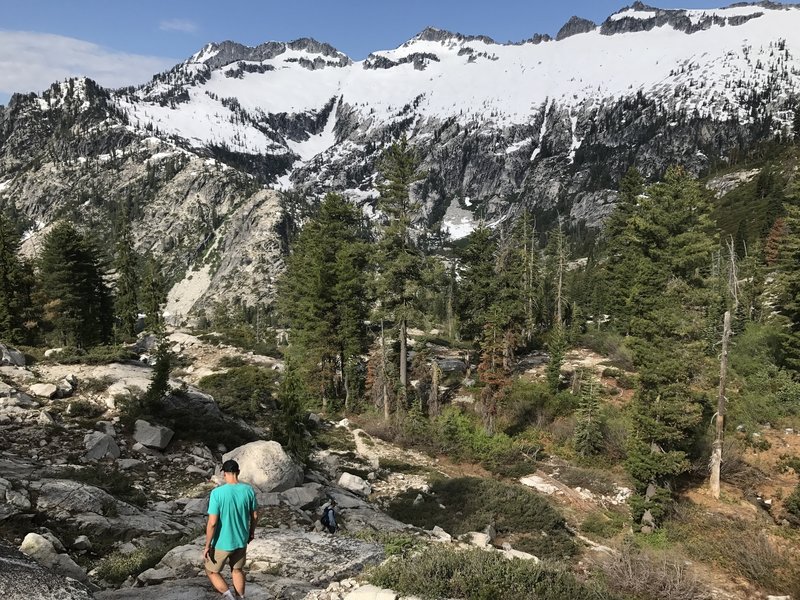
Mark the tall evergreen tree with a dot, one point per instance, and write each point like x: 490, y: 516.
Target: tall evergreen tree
x: 77, y: 301
x: 16, y: 282
x: 153, y: 296
x: 324, y: 297
x: 476, y: 264
x: 127, y: 284
x: 671, y: 243
x: 400, y: 262
x: 617, y: 241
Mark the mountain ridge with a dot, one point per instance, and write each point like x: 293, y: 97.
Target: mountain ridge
x: 548, y: 127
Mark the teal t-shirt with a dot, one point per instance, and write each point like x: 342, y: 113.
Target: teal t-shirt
x: 234, y: 503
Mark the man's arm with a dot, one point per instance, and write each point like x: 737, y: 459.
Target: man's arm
x: 210, y: 527
x: 253, y: 523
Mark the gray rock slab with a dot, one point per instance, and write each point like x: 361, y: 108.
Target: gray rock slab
x: 100, y: 445
x: 152, y: 436
x: 22, y: 577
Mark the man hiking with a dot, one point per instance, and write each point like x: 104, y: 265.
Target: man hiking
x: 232, y: 518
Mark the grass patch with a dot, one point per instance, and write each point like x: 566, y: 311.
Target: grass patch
x: 117, y: 566
x: 470, y: 504
x: 739, y: 547
x: 604, y: 524
x: 636, y: 573
x: 394, y: 543
x: 337, y: 439
x: 242, y: 391
x: 437, y: 572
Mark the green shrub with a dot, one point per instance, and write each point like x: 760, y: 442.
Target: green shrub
x: 117, y: 566
x: 438, y: 572
x: 792, y: 502
x: 228, y: 362
x: 242, y: 391
x: 471, y: 504
x: 83, y: 409
x: 603, y: 524
x: 393, y: 543
x: 97, y: 355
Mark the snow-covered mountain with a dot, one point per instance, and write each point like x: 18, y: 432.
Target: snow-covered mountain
x: 545, y: 124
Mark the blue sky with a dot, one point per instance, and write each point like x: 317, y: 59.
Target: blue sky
x: 120, y: 43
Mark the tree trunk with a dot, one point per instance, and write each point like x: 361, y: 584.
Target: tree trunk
x: 433, y: 398
x: 346, y: 383
x: 403, y: 355
x: 383, y: 376
x: 716, y: 453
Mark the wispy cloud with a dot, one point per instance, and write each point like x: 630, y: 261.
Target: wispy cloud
x: 182, y: 25
x: 31, y: 61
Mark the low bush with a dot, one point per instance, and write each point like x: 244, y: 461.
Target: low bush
x: 470, y: 504
x: 603, y: 524
x: 394, y: 543
x: 98, y: 355
x: 116, y: 567
x: 242, y: 391
x: 636, y: 573
x: 437, y: 572
x: 792, y: 503
x: 228, y: 362
x: 741, y: 548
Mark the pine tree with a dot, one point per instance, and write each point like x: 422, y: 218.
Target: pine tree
x: 400, y: 262
x: 477, y: 277
x: 617, y: 241
x: 324, y: 296
x: 127, y: 284
x: 17, y: 316
x: 153, y: 296
x: 290, y: 429
x: 588, y: 436
x: 672, y: 244
x: 492, y: 373
x: 77, y: 302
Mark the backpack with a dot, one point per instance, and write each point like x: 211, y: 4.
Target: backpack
x: 324, y: 519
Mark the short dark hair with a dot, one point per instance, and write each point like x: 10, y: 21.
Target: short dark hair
x: 230, y: 466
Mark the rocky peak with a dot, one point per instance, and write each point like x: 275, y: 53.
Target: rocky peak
x: 574, y: 26
x: 433, y: 34
x: 220, y: 55
x: 642, y: 17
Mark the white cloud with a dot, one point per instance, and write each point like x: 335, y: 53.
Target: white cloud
x: 31, y: 61
x: 183, y: 25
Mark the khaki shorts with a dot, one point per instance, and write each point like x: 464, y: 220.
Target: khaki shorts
x: 217, y: 559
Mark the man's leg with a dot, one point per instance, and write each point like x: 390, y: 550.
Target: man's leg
x: 238, y: 559
x: 213, y: 566
x: 238, y: 581
x: 218, y: 581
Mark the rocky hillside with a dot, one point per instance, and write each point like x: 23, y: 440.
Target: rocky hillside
x: 197, y: 155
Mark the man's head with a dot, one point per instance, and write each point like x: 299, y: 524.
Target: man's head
x: 230, y: 469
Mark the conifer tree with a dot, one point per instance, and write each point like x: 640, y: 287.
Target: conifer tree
x: 16, y: 283
x: 617, y: 241
x: 672, y: 244
x: 588, y: 436
x: 324, y: 297
x: 400, y: 263
x: 153, y: 296
x: 77, y: 302
x: 477, y: 281
x: 127, y: 284
x: 491, y: 371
